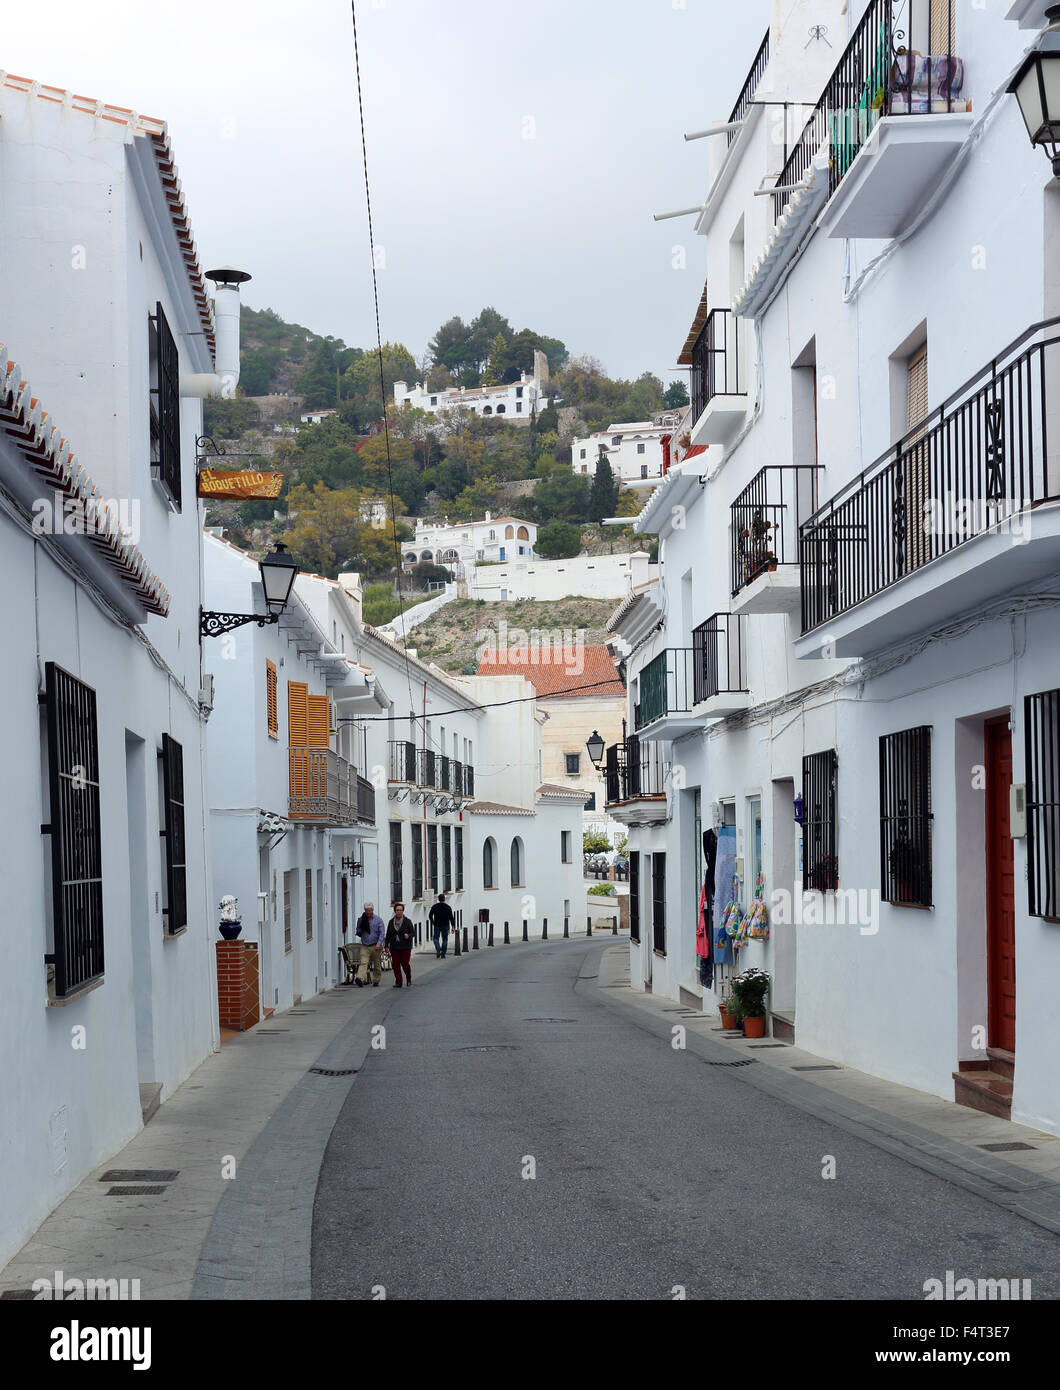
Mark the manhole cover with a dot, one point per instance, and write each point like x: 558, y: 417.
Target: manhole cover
x: 742, y: 1062
x: 140, y: 1190
x: 299, y: 1013
x: 488, y: 1047
x: 327, y: 1071
x: 1004, y: 1148
x: 829, y: 1067
x: 139, y: 1175
x: 550, y: 1020
x: 769, y: 1044
x: 25, y: 1294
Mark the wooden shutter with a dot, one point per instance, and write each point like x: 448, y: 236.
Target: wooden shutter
x: 270, y: 700
x: 918, y: 463
x: 176, y: 909
x: 298, y: 739
x: 318, y: 720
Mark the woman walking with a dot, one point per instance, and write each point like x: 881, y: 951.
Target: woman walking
x: 399, y: 938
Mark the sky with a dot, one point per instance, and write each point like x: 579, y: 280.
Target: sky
x: 516, y: 153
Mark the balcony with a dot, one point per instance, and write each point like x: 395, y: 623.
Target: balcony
x: 325, y: 789
x: 719, y: 668
x: 664, y: 710
x: 958, y: 512
x: 402, y: 762
x: 634, y: 782
x: 427, y: 775
x: 892, y: 116
x: 764, y: 538
x: 719, y: 388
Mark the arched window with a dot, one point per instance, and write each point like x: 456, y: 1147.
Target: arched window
x: 450, y: 557
x: 501, y: 409
x: 487, y: 410
x: 410, y: 559
x: 426, y: 555
x: 517, y: 862
x: 509, y: 533
x: 523, y: 534
x: 489, y: 859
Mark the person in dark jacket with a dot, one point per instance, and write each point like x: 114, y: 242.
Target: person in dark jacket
x: 442, y: 919
x: 370, y: 930
x: 400, y: 934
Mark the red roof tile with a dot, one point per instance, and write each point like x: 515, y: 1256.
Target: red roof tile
x: 553, y: 671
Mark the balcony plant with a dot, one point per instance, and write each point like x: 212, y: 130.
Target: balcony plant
x: 758, y: 552
x: 729, y: 1010
x: 750, y: 988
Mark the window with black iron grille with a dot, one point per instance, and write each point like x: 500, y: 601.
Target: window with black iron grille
x: 73, y: 831
x: 165, y: 408
x: 658, y: 902
x: 458, y: 853
x: 176, y: 908
x: 1042, y: 726
x: 309, y: 904
x: 396, y: 891
x: 288, y: 876
x: 820, y: 858
x: 905, y: 817
x: 634, y: 895
x: 447, y: 859
x: 417, y: 860
x: 432, y: 858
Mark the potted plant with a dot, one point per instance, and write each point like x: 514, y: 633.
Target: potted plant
x: 750, y: 988
x: 231, y: 924
x: 906, y: 870
x: 728, y: 1010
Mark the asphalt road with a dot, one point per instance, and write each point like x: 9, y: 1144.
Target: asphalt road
x: 652, y: 1170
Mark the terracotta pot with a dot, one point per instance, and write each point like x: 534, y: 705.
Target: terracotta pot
x: 727, y: 1020
x: 754, y: 1027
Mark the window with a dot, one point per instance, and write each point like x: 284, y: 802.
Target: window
x: 518, y: 407
x: 564, y: 846
x: 509, y: 533
x: 396, y: 891
x: 905, y: 817
x: 1041, y: 715
x: 74, y: 832
x: 640, y: 448
x: 573, y: 762
x: 644, y: 470
x: 458, y: 854
x: 616, y: 440
x: 447, y: 859
x: 519, y: 392
x: 165, y: 408
x: 271, y: 710
x: 522, y: 534
x: 820, y: 861
x: 634, y: 896
x: 590, y: 805
x: 434, y: 400
x: 417, y: 860
x: 432, y: 857
x: 176, y: 909
x: 488, y: 863
x: 309, y: 904
x: 581, y: 453
x: 287, y: 877
x: 658, y: 902
x: 517, y: 862
x: 501, y: 409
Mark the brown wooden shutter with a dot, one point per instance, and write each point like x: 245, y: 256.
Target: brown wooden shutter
x: 270, y: 700
x: 298, y: 738
x: 318, y: 721
x: 918, y: 463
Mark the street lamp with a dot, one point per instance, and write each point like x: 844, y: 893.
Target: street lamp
x: 595, y: 746
x: 278, y: 572
x: 1036, y: 87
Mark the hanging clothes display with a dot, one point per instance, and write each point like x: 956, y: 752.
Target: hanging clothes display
x: 757, y: 920
x: 725, y: 870
x: 705, y: 926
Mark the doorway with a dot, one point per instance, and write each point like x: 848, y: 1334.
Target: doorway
x: 783, y: 842
x: 1000, y: 890
x: 140, y: 915
x: 265, y: 925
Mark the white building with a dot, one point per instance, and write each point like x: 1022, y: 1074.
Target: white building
x: 107, y: 992
x: 636, y: 451
x: 858, y: 621
x: 515, y: 402
x: 317, y: 417
x: 495, y: 540
x: 588, y: 576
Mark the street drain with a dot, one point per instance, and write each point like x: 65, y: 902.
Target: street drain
x: 26, y: 1294
x: 299, y: 1013
x: 271, y: 1032
x: 142, y: 1190
x: 327, y: 1071
x: 488, y: 1047
x: 743, y: 1062
x: 1004, y: 1148
x: 769, y: 1044
x: 140, y: 1175
x: 550, y: 1020
x: 829, y: 1067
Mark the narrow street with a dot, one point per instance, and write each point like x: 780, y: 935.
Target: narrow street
x: 654, y: 1170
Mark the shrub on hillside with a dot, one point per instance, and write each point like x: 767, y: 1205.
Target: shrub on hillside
x: 559, y: 540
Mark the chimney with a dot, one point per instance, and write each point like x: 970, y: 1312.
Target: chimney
x: 225, y: 379
x: 350, y: 584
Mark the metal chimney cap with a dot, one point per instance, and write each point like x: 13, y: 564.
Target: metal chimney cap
x: 227, y: 276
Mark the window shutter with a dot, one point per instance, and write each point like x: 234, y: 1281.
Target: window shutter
x: 270, y: 700
x: 298, y: 738
x: 317, y: 721
x: 176, y: 911
x: 918, y: 463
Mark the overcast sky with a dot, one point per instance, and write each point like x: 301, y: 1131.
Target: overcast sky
x: 516, y: 152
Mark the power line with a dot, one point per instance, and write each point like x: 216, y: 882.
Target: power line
x: 465, y: 709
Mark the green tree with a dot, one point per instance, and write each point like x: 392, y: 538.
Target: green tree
x: 675, y: 396
x: 318, y: 383
x: 256, y: 368
x: 559, y: 540
x: 229, y: 419
x: 562, y: 496
x: 603, y: 495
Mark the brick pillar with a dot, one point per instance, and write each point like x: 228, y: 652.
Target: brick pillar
x: 237, y: 984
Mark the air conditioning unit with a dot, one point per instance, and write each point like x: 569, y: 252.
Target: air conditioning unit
x: 333, y: 718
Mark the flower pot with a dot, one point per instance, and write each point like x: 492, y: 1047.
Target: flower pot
x: 727, y: 1020
x: 230, y: 930
x: 754, y: 1027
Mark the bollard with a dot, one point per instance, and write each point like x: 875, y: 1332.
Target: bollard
x: 474, y: 936
x: 456, y: 934
x: 507, y: 938
x: 566, y: 928
x: 490, y: 941
x: 544, y: 928
x: 525, y: 936
x: 589, y: 925
x: 465, y: 938
x: 614, y: 926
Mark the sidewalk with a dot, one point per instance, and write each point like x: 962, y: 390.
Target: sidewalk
x: 187, y: 1155
x: 954, y: 1142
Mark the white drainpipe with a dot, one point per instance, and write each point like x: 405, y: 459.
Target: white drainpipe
x: 225, y: 379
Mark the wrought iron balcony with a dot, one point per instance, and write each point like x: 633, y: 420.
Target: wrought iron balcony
x: 719, y: 669
x: 469, y: 780
x: 664, y: 708
x: 750, y: 86
x: 899, y: 61
x: 402, y: 762
x: 718, y: 377
x: 634, y: 781
x: 765, y: 536
x: 444, y: 774
x: 944, y: 517
x: 428, y: 768
x: 327, y: 790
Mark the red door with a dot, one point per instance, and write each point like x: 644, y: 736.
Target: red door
x: 1000, y: 890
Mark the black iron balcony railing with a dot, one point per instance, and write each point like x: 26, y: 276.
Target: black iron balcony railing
x: 402, y: 762
x: 633, y: 771
x: 428, y: 768
x: 719, y: 660
x: 326, y: 789
x: 976, y: 464
x: 716, y: 365
x: 444, y: 774
x: 665, y: 686
x: 885, y: 70
x: 766, y: 518
x: 469, y: 780
x: 750, y: 86
x: 456, y: 776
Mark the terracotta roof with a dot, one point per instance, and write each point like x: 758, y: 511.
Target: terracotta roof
x: 553, y: 671
x: 150, y: 128
x: 684, y: 357
x: 49, y: 455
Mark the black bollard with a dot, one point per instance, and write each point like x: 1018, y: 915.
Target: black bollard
x: 544, y: 929
x: 490, y: 941
x: 525, y: 936
x: 456, y: 933
x: 507, y: 938
x: 614, y: 926
x: 474, y: 936
x: 589, y: 925
x: 566, y: 928
x: 465, y: 938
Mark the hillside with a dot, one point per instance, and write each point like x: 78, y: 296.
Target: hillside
x: 454, y: 635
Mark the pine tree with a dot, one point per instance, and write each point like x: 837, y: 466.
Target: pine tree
x: 603, y: 496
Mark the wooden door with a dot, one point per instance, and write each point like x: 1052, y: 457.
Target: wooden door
x: 1000, y: 890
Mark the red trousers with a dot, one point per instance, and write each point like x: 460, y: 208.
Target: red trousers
x: 400, y: 960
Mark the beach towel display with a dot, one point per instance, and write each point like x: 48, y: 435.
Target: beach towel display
x: 757, y: 918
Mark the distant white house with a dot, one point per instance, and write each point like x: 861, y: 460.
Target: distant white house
x: 515, y: 402
x: 498, y: 539
x: 635, y: 450
x: 588, y: 576
x: 316, y: 417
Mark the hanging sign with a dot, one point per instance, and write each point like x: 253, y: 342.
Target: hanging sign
x: 239, y: 486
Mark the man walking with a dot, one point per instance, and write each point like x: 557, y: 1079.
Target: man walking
x: 441, y: 916
x: 400, y: 934
x: 370, y: 930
